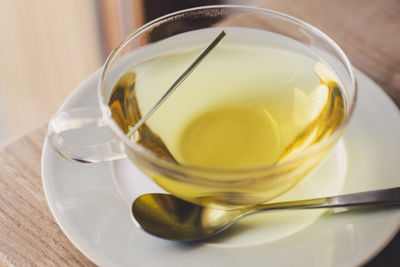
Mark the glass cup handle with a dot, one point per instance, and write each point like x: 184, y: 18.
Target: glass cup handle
x: 78, y: 118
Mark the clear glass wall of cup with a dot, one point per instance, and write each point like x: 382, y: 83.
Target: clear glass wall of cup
x: 223, y: 187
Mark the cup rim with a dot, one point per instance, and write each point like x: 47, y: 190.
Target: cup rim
x: 154, y: 158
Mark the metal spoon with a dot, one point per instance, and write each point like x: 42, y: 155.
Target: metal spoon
x: 169, y: 217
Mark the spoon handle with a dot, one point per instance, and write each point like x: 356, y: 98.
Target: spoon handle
x: 376, y: 197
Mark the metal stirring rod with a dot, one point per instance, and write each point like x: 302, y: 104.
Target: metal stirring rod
x: 181, y: 78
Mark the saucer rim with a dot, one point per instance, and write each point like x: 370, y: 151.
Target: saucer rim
x: 103, y: 260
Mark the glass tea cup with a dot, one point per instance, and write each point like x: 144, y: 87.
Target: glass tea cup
x: 264, y: 54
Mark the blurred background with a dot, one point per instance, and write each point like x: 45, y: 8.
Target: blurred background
x: 48, y: 47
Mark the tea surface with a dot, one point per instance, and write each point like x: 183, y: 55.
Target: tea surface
x: 249, y: 103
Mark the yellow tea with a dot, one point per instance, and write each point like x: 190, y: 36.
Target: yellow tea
x: 253, y: 101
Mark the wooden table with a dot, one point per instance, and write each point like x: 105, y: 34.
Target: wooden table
x: 367, y: 30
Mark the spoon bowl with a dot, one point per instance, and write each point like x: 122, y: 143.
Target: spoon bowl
x: 169, y: 217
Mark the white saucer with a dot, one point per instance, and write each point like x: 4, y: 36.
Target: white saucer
x: 91, y: 202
